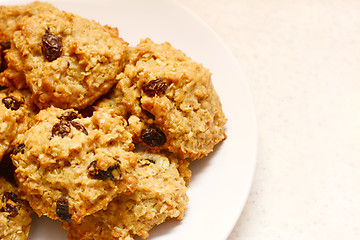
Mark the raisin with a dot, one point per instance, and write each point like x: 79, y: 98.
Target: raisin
x: 3, y: 64
x: 19, y: 149
x: 62, y: 209
x: 7, y: 169
x: 9, y: 196
x: 153, y: 87
x: 11, y: 203
x: 61, y: 129
x: 11, y: 103
x: 112, y: 173
x: 79, y: 127
x: 5, y: 45
x: 51, y: 46
x: 153, y: 136
x: 93, y: 171
x: 69, y: 116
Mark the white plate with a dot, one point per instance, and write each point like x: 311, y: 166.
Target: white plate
x: 221, y: 182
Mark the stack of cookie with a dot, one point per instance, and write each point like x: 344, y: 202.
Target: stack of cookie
x: 99, y: 134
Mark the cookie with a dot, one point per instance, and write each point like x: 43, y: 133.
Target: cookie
x: 11, y: 15
x: 16, y: 110
x: 68, y: 61
x: 113, y: 100
x: 11, y: 71
x: 14, y: 213
x: 69, y: 167
x: 172, y: 101
x: 160, y: 195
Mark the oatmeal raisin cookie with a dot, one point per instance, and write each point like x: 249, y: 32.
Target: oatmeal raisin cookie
x: 68, y: 61
x: 172, y: 100
x: 69, y: 167
x: 160, y: 195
